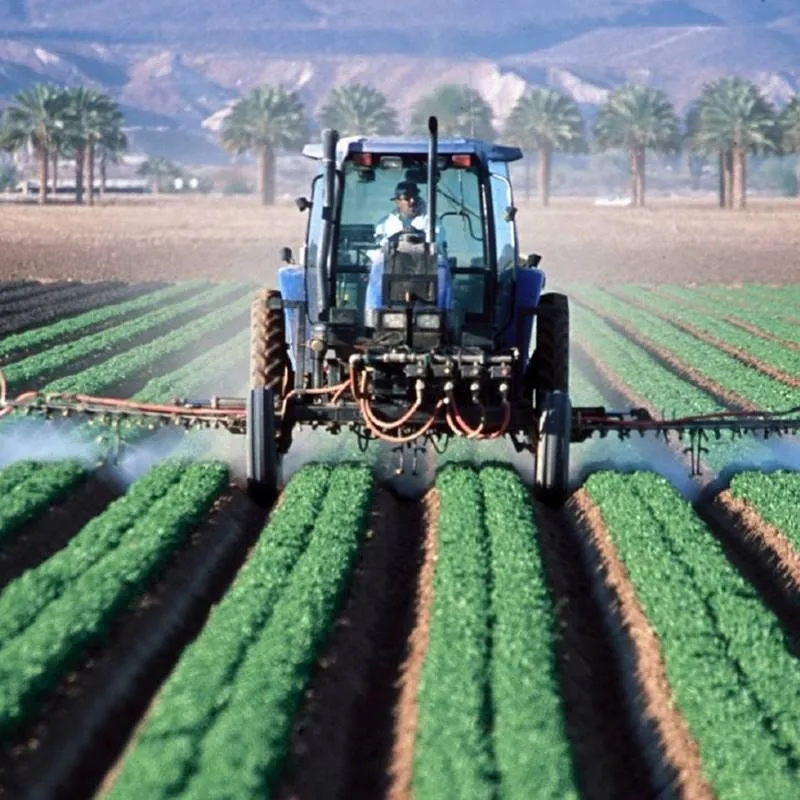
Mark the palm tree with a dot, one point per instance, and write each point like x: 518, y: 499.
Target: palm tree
x: 91, y: 117
x: 359, y: 109
x: 546, y: 121
x: 638, y: 118
x: 265, y: 120
x: 461, y: 111
x: 789, y: 121
x: 158, y: 170
x: 34, y: 119
x: 109, y: 149
x: 734, y: 119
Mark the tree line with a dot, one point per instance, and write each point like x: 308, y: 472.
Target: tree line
x: 730, y: 120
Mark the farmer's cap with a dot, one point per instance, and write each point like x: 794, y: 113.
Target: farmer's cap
x: 406, y: 190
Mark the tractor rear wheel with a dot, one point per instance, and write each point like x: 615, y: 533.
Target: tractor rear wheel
x: 548, y: 369
x: 551, y: 481
x: 269, y: 368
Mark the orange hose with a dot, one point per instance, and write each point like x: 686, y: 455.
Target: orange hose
x: 400, y: 439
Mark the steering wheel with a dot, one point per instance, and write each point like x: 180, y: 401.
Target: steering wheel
x: 409, y: 237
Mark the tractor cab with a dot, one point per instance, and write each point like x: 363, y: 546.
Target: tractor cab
x: 443, y: 275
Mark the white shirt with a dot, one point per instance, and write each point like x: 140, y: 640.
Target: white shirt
x: 393, y: 223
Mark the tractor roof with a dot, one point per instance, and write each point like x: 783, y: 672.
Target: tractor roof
x: 402, y: 145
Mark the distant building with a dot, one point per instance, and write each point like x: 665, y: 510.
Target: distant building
x: 113, y: 186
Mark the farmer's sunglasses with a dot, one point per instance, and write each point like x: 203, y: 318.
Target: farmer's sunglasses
x: 404, y: 196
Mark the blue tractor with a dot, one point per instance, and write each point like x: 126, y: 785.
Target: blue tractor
x: 417, y: 335
x: 413, y: 333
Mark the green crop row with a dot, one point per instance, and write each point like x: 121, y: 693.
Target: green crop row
x: 705, y: 358
x: 776, y: 497
x: 221, y: 727
x: 120, y: 367
x: 780, y: 299
x: 666, y: 390
x: 768, y: 319
x: 732, y: 674
x: 47, y: 333
x: 56, y: 357
x: 166, y: 751
x: 28, y: 488
x: 453, y: 752
x: 771, y: 353
x: 529, y: 737
x: 490, y: 721
x: 33, y: 661
x: 24, y: 598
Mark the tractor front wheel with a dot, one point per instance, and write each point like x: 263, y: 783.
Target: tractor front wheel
x: 269, y: 369
x: 551, y: 482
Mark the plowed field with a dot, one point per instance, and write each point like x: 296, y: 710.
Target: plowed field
x: 161, y: 637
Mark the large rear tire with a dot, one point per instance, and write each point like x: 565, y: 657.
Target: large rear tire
x: 269, y: 368
x: 551, y: 482
x: 548, y: 369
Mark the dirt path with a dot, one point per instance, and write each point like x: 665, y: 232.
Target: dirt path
x: 401, y: 767
x: 342, y: 739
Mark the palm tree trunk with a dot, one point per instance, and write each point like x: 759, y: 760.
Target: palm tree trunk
x: 545, y: 163
x: 640, y: 173
x: 44, y: 161
x: 729, y: 178
x: 741, y: 168
x: 722, y: 197
x: 266, y: 175
x: 90, y: 172
x: 634, y: 180
x: 55, y: 172
x: 80, y: 155
x: 103, y: 176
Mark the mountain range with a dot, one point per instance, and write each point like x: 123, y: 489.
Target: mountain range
x: 174, y: 68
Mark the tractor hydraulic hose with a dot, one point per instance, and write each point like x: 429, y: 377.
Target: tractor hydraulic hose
x: 426, y: 426
x: 387, y: 425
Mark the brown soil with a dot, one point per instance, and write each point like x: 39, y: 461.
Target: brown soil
x: 607, y: 757
x: 342, y: 737
x: 718, y: 391
x: 681, y: 767
x: 405, y: 729
x: 761, y: 553
x: 737, y: 352
x: 234, y: 238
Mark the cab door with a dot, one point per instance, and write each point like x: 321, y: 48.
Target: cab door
x: 505, y: 241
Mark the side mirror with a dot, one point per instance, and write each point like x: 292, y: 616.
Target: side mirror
x: 303, y: 203
x: 286, y: 256
x: 510, y: 213
x: 533, y: 260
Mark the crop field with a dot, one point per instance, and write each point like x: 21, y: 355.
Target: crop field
x: 161, y: 637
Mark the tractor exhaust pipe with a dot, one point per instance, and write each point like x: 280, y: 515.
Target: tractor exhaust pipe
x: 433, y: 151
x: 330, y: 138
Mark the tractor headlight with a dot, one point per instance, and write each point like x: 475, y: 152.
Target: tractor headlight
x: 393, y: 320
x: 428, y: 321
